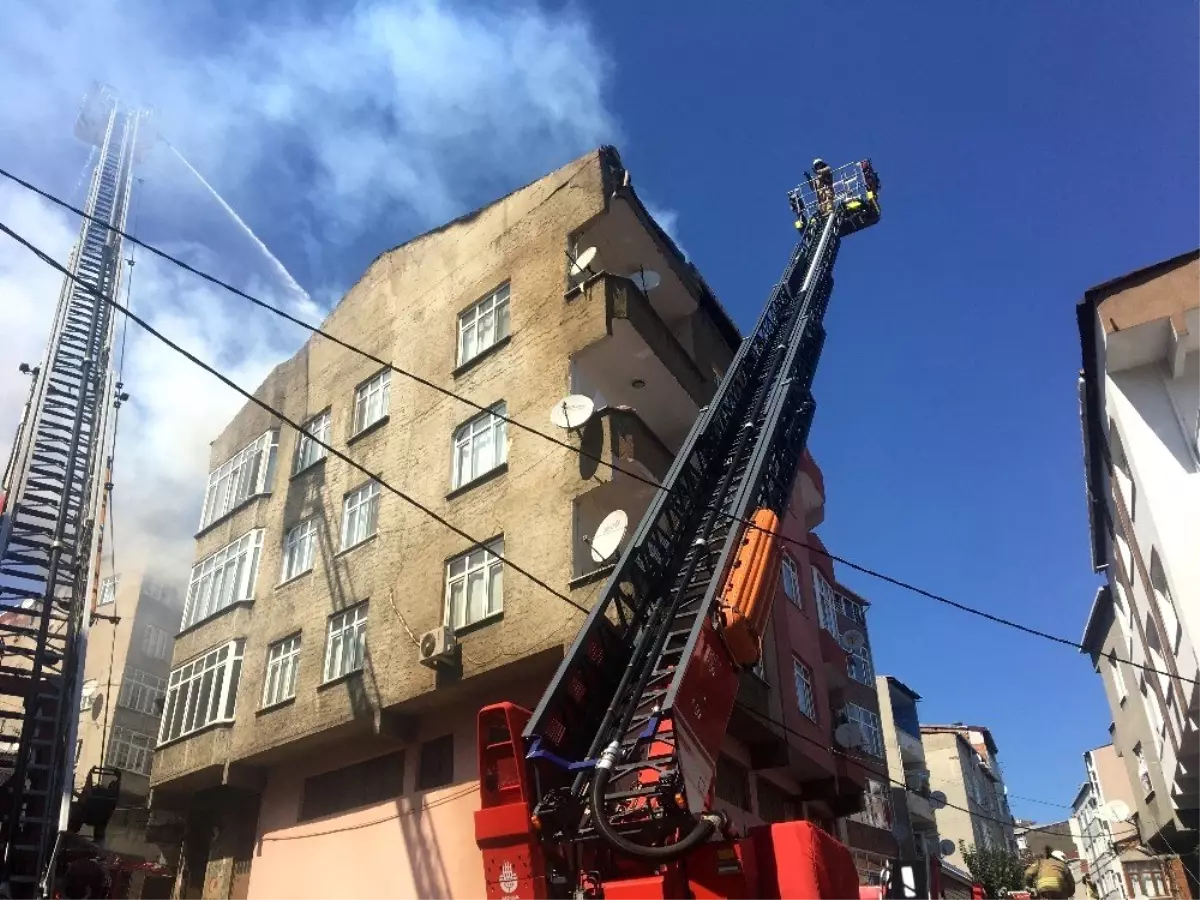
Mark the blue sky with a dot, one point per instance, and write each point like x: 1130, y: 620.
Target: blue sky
x: 1027, y: 151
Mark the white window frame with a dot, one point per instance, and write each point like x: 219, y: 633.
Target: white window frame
x: 308, y: 451
x: 202, y: 692
x: 480, y: 566
x: 480, y: 445
x: 871, y: 727
x: 827, y: 604
x: 483, y: 324
x: 156, y: 642
x: 372, y: 400
x: 223, y: 578
x: 852, y: 609
x: 108, y: 590
x: 806, y: 700
x: 789, y: 580
x: 360, y: 514
x: 299, y: 545
x: 283, y: 667
x: 248, y: 473
x: 860, y: 666
x: 346, y: 642
x: 141, y: 691
x: 1118, y: 679
x: 131, y: 750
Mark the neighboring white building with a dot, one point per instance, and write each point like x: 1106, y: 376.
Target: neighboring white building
x: 1140, y: 409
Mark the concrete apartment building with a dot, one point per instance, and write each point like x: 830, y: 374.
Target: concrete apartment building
x: 1121, y: 866
x: 124, y: 682
x: 915, y: 821
x: 305, y: 749
x: 1139, y: 400
x: 963, y: 764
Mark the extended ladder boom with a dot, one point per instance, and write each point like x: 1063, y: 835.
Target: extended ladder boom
x: 623, y: 744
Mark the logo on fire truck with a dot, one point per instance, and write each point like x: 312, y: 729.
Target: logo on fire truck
x: 508, y: 878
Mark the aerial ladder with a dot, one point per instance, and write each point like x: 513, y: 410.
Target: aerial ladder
x: 52, y: 487
x: 606, y: 788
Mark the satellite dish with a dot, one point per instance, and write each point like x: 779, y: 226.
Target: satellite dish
x: 853, y: 640
x: 572, y: 411
x: 646, y: 279
x: 946, y: 847
x: 938, y: 800
x: 608, y: 536
x: 1113, y: 811
x: 848, y: 734
x: 582, y: 261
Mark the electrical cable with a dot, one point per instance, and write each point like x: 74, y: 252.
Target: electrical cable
x: 316, y: 330
x: 474, y: 542
x: 266, y: 407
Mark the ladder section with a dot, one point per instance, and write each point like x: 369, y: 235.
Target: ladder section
x: 45, y: 553
x: 586, y: 700
x: 758, y: 472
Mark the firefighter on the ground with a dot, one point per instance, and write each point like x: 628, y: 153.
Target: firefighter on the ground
x: 1050, y: 877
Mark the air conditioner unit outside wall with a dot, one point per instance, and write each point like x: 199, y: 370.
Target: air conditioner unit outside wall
x: 438, y: 646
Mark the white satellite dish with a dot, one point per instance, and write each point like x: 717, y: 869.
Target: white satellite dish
x: 608, y: 536
x: 646, y: 279
x: 853, y: 640
x: 937, y: 800
x: 582, y: 261
x: 572, y: 411
x: 946, y: 847
x: 849, y: 734
x: 1113, y: 811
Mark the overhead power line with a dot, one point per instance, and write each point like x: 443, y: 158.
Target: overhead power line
x: 425, y: 382
x: 229, y: 382
x: 144, y: 325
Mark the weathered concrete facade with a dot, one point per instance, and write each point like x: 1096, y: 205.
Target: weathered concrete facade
x: 963, y: 765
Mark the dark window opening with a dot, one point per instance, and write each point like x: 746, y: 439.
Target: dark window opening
x: 436, y: 768
x: 733, y: 782
x: 362, y: 784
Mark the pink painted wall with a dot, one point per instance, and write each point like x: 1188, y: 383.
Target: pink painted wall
x: 421, y: 844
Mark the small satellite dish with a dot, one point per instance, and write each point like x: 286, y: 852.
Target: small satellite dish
x: 572, y: 411
x: 1113, y: 811
x: 848, y: 734
x: 646, y: 279
x: 608, y: 536
x: 937, y: 800
x: 582, y: 262
x: 853, y: 640
x: 946, y: 847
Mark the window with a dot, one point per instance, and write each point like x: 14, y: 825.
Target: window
x: 156, y: 643
x: 773, y: 804
x: 141, y: 691
x: 360, y: 514
x: 804, y: 689
x: 371, y: 400
x: 852, y: 610
x: 202, y: 692
x: 1154, y: 714
x: 247, y: 474
x: 826, y: 603
x: 860, y: 667
x: 869, y: 723
x: 877, y: 805
x: 1165, y: 603
x: 362, y: 784
x: 480, y: 445
x: 436, y: 767
x: 130, y: 750
x: 345, y: 648
x: 483, y: 324
x: 789, y: 577
x: 298, y: 547
x: 1118, y: 677
x: 283, y: 662
x: 225, y: 578
x: 108, y: 591
x: 1143, y: 770
x: 308, y: 451
x: 475, y: 585
x: 733, y: 782
x: 1147, y: 880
